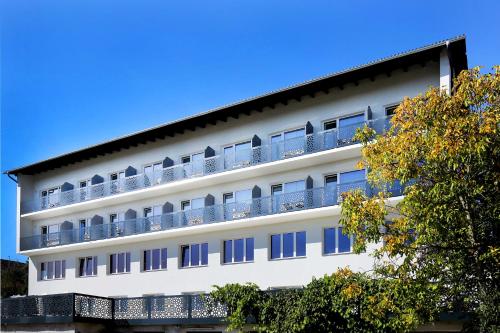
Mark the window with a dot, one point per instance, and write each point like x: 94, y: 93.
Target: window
x: 154, y: 260
x: 119, y: 263
x: 194, y: 255
x: 238, y: 250
x: 329, y: 125
x: 50, y: 234
x: 334, y: 241
x: 288, y: 245
x: 87, y: 266
x: 238, y: 155
x: 153, y: 173
x: 193, y: 211
x: 53, y: 270
x: 352, y: 121
x: 389, y: 110
x: 352, y: 176
x: 51, y: 197
x: 288, y: 144
x: 193, y: 164
x: 237, y: 204
x: 117, y: 175
x: 287, y: 196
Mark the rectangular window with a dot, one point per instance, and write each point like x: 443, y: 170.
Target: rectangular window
x: 119, y: 263
x: 87, y: 266
x: 53, y: 270
x: 238, y: 250
x: 155, y: 259
x: 329, y: 125
x: 334, y: 241
x: 288, y: 245
x: 194, y: 255
x: 117, y: 175
x: 390, y: 110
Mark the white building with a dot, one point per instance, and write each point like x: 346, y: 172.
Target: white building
x: 244, y: 193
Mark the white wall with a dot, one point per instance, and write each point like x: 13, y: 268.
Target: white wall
x: 264, y: 272
x: 378, y: 94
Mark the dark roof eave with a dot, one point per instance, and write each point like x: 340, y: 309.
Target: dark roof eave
x: 458, y: 60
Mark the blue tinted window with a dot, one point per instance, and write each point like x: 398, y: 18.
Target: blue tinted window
x: 300, y: 243
x: 195, y: 254
x: 127, y: 262
x: 185, y: 256
x: 164, y: 258
x: 204, y: 253
x: 238, y: 250
x: 275, y: 246
x: 228, y: 251
x: 147, y: 261
x: 329, y: 240
x: 288, y: 245
x: 249, y: 249
x: 156, y: 258
x: 344, y: 242
x: 352, y: 176
x: 121, y: 262
x: 353, y: 120
x: 112, y: 263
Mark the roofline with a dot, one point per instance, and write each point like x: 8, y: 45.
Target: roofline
x: 458, y: 62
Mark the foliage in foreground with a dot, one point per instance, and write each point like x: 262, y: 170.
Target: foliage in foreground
x: 341, y: 302
x: 446, y: 150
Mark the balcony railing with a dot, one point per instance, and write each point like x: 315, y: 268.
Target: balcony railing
x: 60, y: 308
x: 276, y: 204
x: 307, y: 144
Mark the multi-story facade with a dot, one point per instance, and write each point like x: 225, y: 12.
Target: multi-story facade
x: 245, y: 193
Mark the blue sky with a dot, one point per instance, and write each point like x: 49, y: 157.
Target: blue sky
x: 75, y: 73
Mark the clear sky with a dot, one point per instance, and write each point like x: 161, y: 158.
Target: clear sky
x: 75, y: 73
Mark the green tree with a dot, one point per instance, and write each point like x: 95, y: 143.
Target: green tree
x: 443, y: 235
x: 341, y: 302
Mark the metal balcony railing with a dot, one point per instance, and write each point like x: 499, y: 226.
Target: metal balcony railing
x: 72, y: 307
x: 276, y: 204
x: 307, y: 144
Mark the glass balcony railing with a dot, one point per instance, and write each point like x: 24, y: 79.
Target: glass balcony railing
x: 178, y: 309
x: 270, y: 205
x: 307, y: 144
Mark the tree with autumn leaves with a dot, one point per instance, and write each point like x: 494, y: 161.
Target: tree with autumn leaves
x: 438, y: 246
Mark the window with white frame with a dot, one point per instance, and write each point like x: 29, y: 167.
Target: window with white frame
x: 335, y: 241
x: 50, y: 197
x: 288, y: 245
x: 238, y: 250
x: 288, y: 143
x: 237, y: 155
x: 155, y: 259
x: 153, y: 173
x: 194, y: 255
x: 237, y: 204
x: 119, y: 263
x: 87, y: 266
x: 53, y: 270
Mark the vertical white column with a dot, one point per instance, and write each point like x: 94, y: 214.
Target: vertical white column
x: 18, y: 217
x: 444, y: 71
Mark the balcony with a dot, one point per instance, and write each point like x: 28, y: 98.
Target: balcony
x: 68, y: 308
x: 256, y: 155
x: 263, y: 206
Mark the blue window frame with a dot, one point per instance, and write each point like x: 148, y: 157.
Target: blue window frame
x: 288, y: 245
x: 238, y: 250
x: 334, y: 241
x: 194, y: 255
x: 155, y: 259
